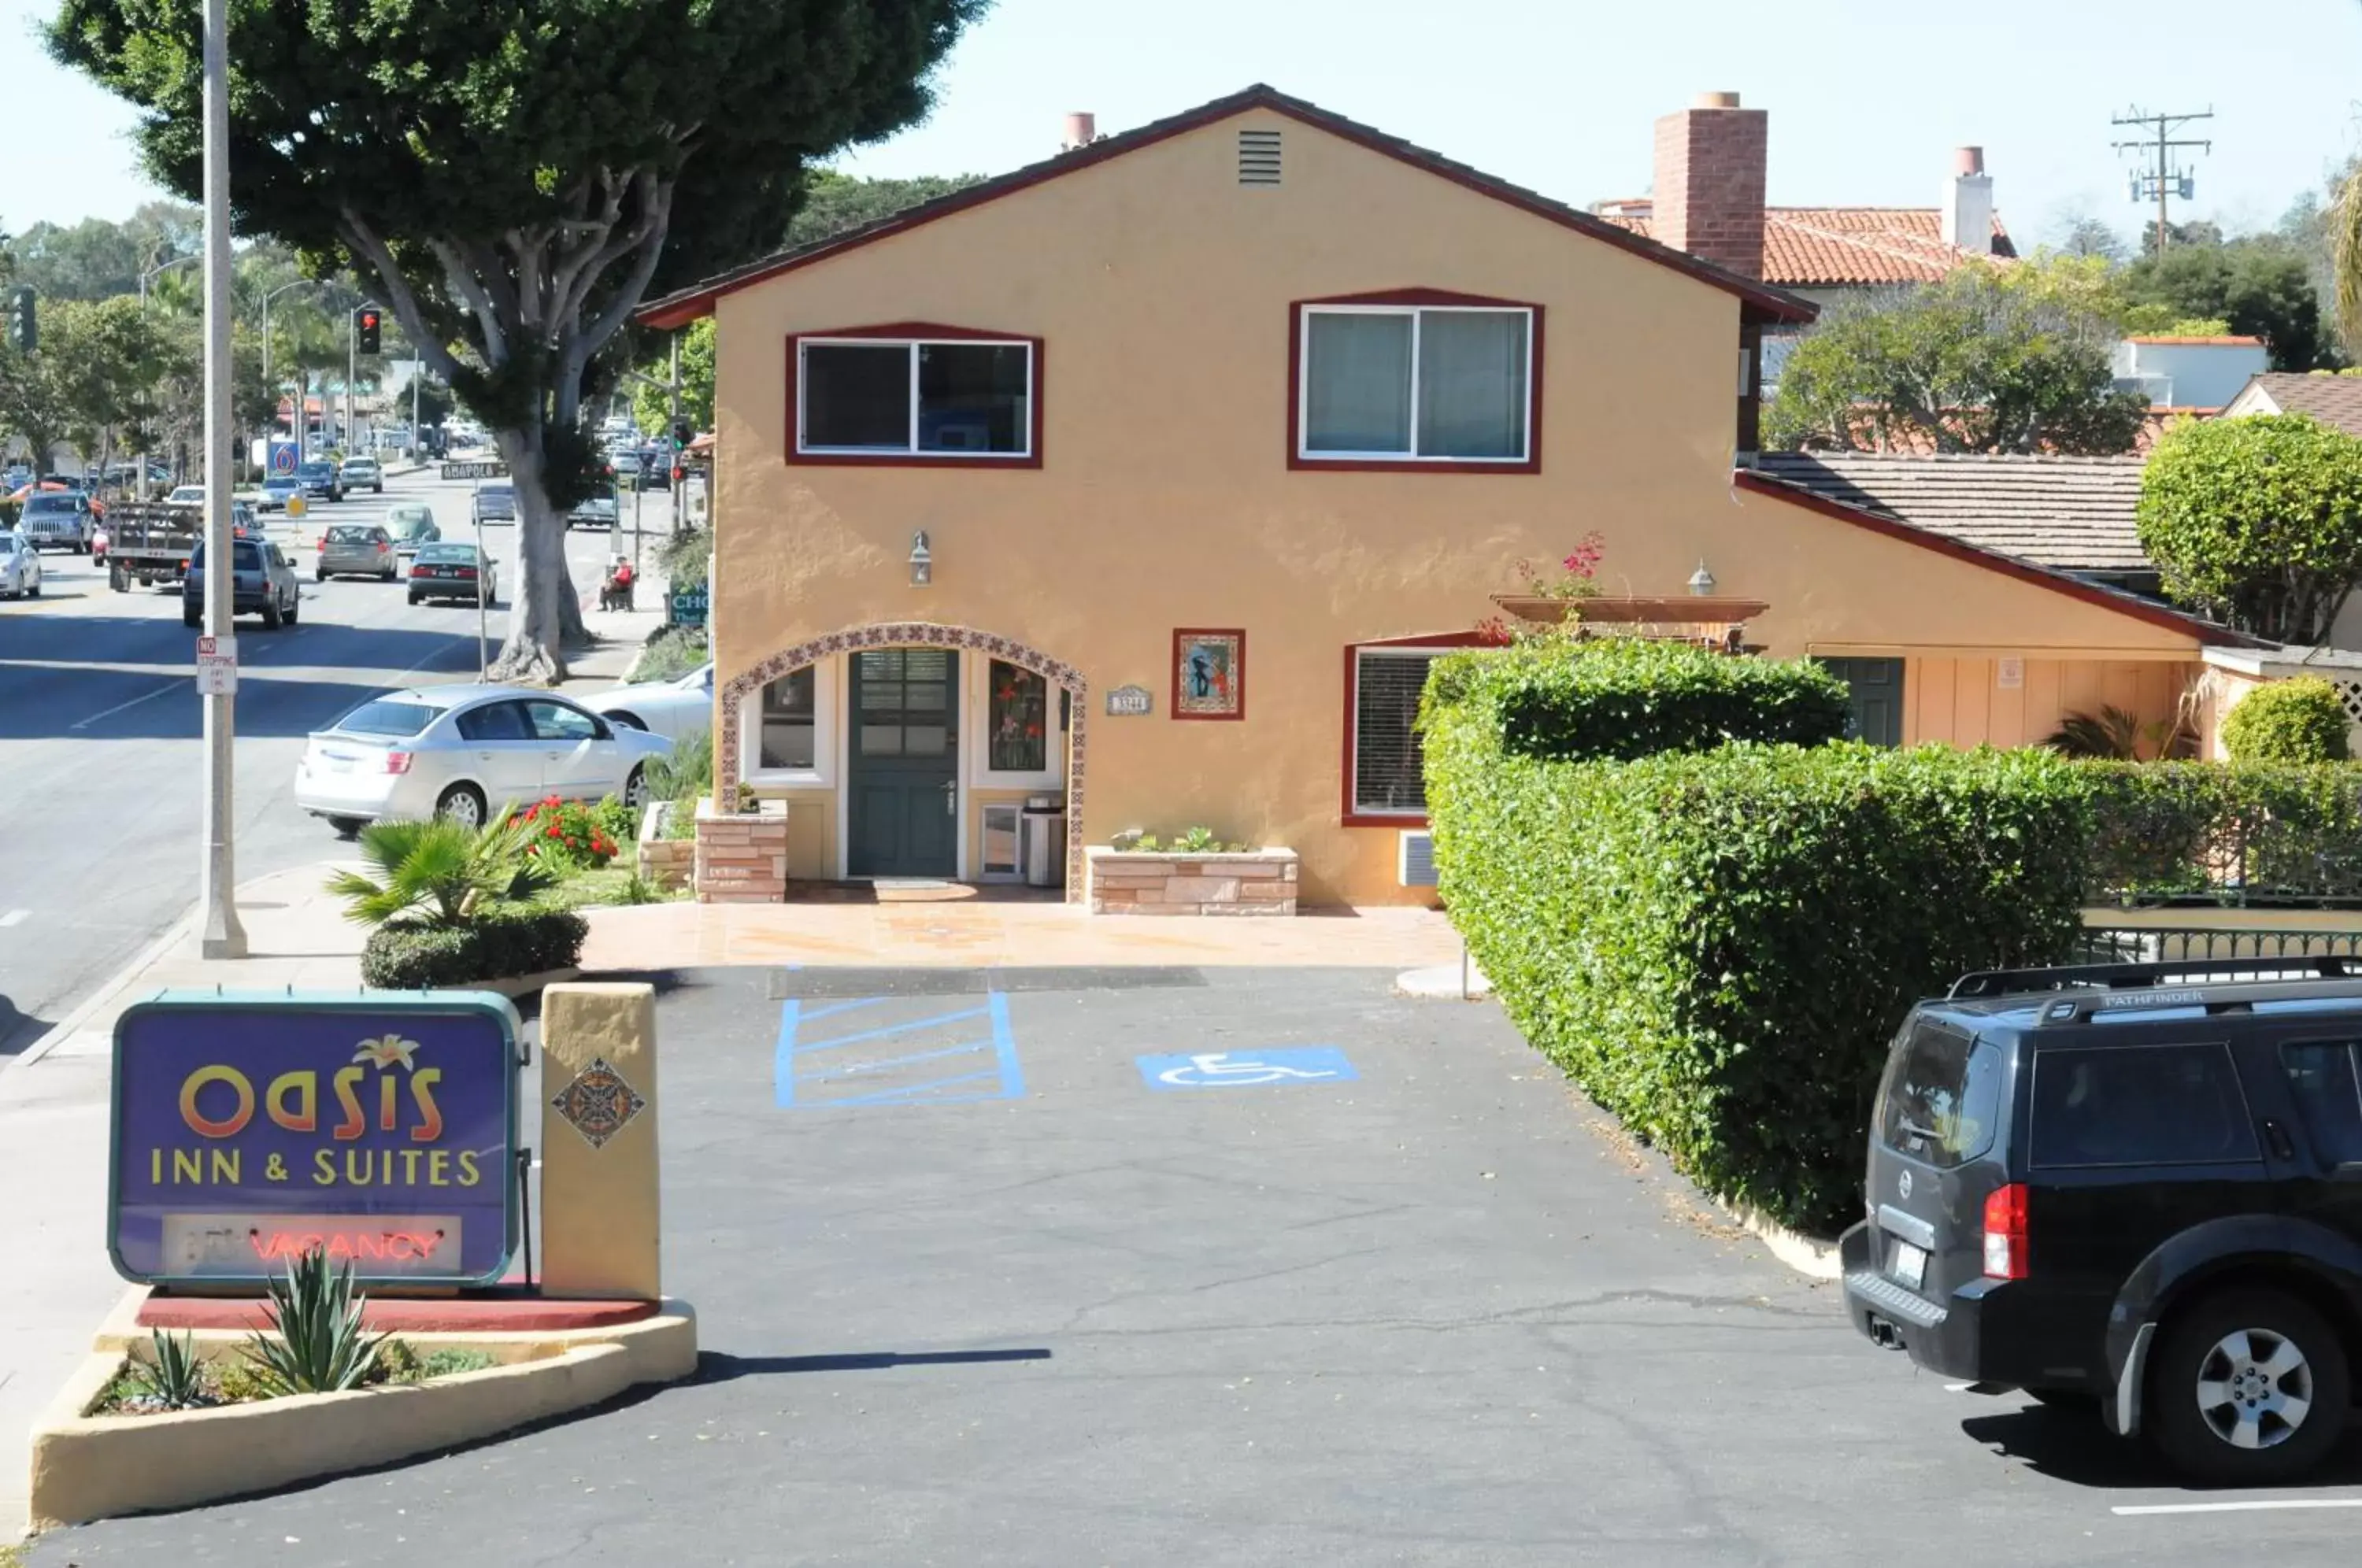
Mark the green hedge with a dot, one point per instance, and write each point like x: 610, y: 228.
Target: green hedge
x: 2243, y: 834
x: 2299, y: 721
x: 403, y: 957
x: 1718, y: 946
x: 1620, y: 697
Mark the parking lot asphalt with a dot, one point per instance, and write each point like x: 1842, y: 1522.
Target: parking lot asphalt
x: 1331, y: 1277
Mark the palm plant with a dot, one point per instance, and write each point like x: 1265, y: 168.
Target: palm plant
x: 438, y: 872
x: 2112, y: 733
x: 317, y: 1346
x: 174, y: 1377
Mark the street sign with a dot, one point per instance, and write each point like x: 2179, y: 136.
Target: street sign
x: 1248, y: 1069
x: 475, y: 470
x: 216, y: 666
x: 249, y: 1128
x: 687, y: 606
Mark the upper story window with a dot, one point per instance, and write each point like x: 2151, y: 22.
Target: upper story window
x: 1416, y: 382
x: 888, y: 395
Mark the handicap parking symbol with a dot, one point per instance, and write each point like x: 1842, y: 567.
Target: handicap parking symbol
x: 1248, y: 1069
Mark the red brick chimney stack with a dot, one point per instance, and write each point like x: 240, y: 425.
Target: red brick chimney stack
x: 1709, y: 196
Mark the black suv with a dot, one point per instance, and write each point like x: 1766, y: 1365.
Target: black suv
x: 2134, y: 1187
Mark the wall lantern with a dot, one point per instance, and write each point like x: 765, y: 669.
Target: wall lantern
x: 1701, y: 583
x: 922, y: 560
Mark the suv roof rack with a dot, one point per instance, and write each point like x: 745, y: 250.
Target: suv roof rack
x: 2144, y: 976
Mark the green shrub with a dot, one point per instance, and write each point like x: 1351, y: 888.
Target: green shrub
x: 1718, y: 946
x: 438, y: 871
x: 500, y: 945
x: 683, y: 774
x: 2246, y: 833
x: 688, y: 560
x: 174, y: 1376
x: 1623, y: 698
x: 2288, y: 720
x: 671, y: 652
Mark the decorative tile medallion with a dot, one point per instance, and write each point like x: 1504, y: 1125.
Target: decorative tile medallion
x: 597, y: 1102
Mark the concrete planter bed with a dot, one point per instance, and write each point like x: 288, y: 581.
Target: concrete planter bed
x: 1171, y: 882
x: 666, y: 862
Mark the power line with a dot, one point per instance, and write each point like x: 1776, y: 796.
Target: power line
x: 2162, y: 181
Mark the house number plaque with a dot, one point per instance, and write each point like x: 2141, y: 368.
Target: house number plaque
x: 1128, y: 701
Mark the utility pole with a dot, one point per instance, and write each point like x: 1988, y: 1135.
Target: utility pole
x: 676, y: 479
x: 219, y: 934
x: 2161, y: 181
x: 352, y: 362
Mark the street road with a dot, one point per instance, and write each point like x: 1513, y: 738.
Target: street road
x: 101, y: 727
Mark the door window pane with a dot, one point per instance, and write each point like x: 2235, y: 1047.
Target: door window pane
x: 556, y: 722
x: 881, y: 740
x: 2320, y: 1081
x: 2139, y: 1105
x: 789, y: 738
x: 1017, y: 707
x: 1472, y: 384
x: 497, y: 722
x: 1357, y: 382
x: 1388, y: 760
x: 856, y: 395
x: 973, y: 397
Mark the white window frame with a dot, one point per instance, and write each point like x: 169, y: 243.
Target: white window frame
x: 1410, y: 815
x: 1304, y: 452
x: 827, y: 678
x: 913, y: 451
x: 975, y: 721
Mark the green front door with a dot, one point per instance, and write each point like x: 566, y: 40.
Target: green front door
x: 904, y: 765
x: 1876, y: 686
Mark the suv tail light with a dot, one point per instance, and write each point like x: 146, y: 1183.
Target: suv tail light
x: 2005, y: 1232
x: 399, y: 762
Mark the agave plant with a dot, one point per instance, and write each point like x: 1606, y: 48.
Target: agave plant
x: 2112, y: 733
x: 438, y: 871
x: 317, y: 1346
x: 174, y: 1376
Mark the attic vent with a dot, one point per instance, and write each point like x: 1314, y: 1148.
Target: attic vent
x: 1258, y: 158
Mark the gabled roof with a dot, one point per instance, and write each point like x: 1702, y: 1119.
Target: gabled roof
x: 1761, y: 302
x: 2334, y: 399
x: 1853, y: 247
x: 2071, y: 513
x: 2205, y: 632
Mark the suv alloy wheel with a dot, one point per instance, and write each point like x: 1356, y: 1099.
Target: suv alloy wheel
x: 2248, y: 1386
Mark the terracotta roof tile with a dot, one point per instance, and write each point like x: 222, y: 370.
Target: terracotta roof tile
x: 1836, y: 247
x: 2068, y: 513
x: 2332, y: 400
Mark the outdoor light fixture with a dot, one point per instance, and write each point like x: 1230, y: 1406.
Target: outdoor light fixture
x: 922, y: 560
x: 1700, y: 580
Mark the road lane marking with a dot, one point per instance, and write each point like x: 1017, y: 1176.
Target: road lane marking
x: 109, y: 712
x: 14, y: 917
x: 2257, y: 1506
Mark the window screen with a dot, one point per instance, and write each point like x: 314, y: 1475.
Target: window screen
x: 969, y: 397
x: 1446, y: 384
x: 972, y: 397
x: 1387, y: 775
x: 2321, y: 1080
x: 2139, y: 1105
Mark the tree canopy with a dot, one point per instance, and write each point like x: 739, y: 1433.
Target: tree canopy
x: 1992, y: 359
x: 2257, y: 521
x: 517, y: 178
x: 2259, y: 285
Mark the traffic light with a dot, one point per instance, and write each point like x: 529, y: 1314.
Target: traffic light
x: 681, y: 434
x: 24, y: 331
x: 366, y: 325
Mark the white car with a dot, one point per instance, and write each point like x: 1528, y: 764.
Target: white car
x: 20, y: 567
x: 673, y: 709
x: 466, y: 752
x: 186, y: 496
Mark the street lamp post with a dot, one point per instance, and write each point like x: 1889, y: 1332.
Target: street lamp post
x: 219, y: 934
x: 160, y: 267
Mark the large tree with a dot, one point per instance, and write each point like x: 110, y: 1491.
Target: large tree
x: 1992, y: 359
x: 2259, y: 284
x: 515, y: 177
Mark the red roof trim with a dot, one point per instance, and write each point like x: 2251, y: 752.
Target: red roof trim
x: 1991, y: 560
x: 678, y: 309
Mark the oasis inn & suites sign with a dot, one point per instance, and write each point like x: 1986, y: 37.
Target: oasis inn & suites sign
x: 247, y: 1129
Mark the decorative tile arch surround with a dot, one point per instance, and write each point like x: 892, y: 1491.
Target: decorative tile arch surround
x: 906, y: 635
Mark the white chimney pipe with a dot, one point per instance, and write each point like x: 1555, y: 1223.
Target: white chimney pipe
x: 1081, y: 131
x: 1968, y: 204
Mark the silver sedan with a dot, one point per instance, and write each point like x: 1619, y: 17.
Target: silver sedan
x: 20, y: 567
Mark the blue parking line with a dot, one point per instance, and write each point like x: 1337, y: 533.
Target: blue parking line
x: 790, y: 1050
x: 783, y: 1055
x: 841, y: 1007
x: 1004, y: 1046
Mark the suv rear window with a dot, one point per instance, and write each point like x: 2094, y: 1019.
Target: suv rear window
x: 348, y: 536
x: 1941, y: 1096
x: 246, y: 555
x: 2139, y: 1105
x: 388, y: 718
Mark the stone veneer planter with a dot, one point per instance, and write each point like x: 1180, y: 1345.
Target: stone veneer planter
x: 1251, y: 882
x: 742, y: 856
x: 666, y: 862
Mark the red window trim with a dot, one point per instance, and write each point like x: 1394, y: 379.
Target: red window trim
x: 921, y: 331
x: 1531, y: 463
x: 1348, y: 816
x: 1238, y: 632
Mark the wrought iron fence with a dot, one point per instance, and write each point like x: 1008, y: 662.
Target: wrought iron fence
x: 2173, y: 944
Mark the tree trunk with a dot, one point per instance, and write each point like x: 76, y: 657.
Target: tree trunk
x: 534, y: 652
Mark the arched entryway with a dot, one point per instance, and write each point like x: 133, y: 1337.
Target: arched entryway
x: 729, y: 770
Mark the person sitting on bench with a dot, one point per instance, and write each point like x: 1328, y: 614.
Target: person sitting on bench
x: 615, y: 593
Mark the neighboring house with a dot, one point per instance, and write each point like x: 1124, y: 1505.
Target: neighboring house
x: 2190, y: 375
x: 1249, y: 415
x: 2332, y: 400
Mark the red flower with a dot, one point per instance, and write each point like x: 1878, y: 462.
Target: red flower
x: 554, y: 830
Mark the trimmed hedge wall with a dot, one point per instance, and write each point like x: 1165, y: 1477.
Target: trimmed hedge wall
x: 2243, y: 833
x: 403, y: 957
x: 1620, y: 697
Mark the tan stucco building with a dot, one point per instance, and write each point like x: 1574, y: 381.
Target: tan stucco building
x: 1240, y: 418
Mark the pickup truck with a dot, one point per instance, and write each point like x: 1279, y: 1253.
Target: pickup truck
x: 148, y: 542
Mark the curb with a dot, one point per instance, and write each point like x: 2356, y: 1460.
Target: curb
x: 1814, y: 1259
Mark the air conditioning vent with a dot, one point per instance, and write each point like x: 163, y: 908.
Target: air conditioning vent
x: 1258, y: 158
x: 1415, y: 858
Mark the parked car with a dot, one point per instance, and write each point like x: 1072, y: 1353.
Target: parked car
x: 321, y: 478
x: 412, y: 525
x: 496, y: 503
x: 278, y: 490
x: 360, y: 473
x: 466, y: 751
x: 449, y: 571
x: 355, y: 550
x: 675, y: 709
x: 58, y: 520
x: 262, y: 583
x: 2130, y: 1188
x: 20, y: 567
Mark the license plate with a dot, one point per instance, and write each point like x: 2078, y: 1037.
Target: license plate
x: 1908, y: 1264
x: 336, y: 763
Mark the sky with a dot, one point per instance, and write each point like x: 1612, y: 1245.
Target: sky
x: 1867, y: 98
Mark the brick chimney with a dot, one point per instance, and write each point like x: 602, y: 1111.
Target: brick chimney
x: 1709, y: 196
x: 1967, y: 205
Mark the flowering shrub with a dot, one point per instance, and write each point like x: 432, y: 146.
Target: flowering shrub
x: 1576, y: 579
x: 567, y: 833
